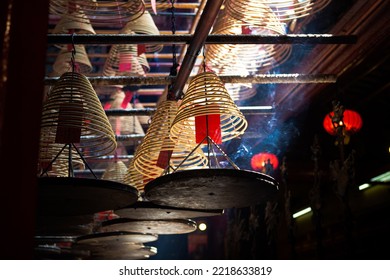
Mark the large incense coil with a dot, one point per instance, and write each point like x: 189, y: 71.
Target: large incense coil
x: 206, y: 95
x: 240, y: 92
x: 134, y: 178
x: 74, y: 22
x: 144, y: 25
x: 123, y: 60
x: 259, y: 16
x: 63, y: 62
x: 284, y: 10
x: 115, y: 171
x: 101, y: 12
x: 123, y: 125
x: 252, y: 58
x: 152, y: 158
x: 74, y: 114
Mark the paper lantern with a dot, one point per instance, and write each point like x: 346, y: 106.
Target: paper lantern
x: 351, y: 120
x: 259, y: 161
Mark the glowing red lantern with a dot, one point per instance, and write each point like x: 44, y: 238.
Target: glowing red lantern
x: 351, y: 120
x: 258, y: 161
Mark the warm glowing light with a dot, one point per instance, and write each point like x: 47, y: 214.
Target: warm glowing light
x: 351, y: 121
x: 364, y: 186
x: 202, y: 226
x: 259, y: 160
x: 265, y: 107
x: 302, y: 212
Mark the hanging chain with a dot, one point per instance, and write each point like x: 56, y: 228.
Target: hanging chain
x: 73, y: 54
x: 173, y: 71
x: 173, y: 28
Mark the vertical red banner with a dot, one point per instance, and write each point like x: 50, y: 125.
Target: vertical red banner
x: 209, y: 125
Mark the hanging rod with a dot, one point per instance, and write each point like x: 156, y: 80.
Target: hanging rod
x: 211, y: 39
x: 246, y: 110
x: 166, y: 80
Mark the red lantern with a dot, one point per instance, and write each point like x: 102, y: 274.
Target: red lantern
x: 351, y: 120
x: 259, y: 161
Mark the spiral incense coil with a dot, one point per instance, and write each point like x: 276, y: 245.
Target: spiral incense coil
x: 74, y: 114
x: 252, y: 58
x: 144, y: 62
x: 143, y: 25
x: 101, y: 12
x: 115, y: 171
x: 240, y: 92
x: 63, y: 62
x: 284, y: 10
x: 74, y: 22
x: 134, y: 178
x: 123, y: 125
x: 206, y: 95
x: 123, y: 60
x: 158, y: 151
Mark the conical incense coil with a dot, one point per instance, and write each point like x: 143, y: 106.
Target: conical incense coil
x: 123, y: 124
x: 144, y: 25
x: 74, y: 22
x: 158, y: 151
x: 284, y: 10
x: 116, y: 171
x: 230, y: 58
x: 73, y: 114
x: 134, y: 178
x: 206, y: 96
x: 63, y: 62
x: 123, y: 60
x: 101, y: 12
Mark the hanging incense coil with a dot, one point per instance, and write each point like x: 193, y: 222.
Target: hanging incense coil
x: 74, y: 22
x: 240, y: 92
x: 73, y: 114
x: 144, y: 25
x: 134, y: 178
x: 115, y: 171
x: 123, y: 125
x: 144, y: 62
x: 101, y: 12
x: 207, y: 96
x: 249, y: 58
x: 285, y: 10
x: 253, y: 13
x: 123, y: 60
x: 63, y: 62
x: 158, y: 152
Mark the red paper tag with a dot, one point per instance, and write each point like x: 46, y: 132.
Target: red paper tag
x: 163, y: 159
x: 141, y: 48
x: 213, y: 123
x: 66, y: 132
x: 245, y: 30
x: 126, y: 100
x: 124, y: 62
